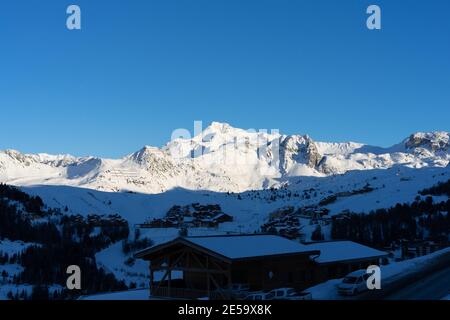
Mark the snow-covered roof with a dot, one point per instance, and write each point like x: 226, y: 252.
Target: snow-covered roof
x: 248, y: 246
x: 219, y: 215
x: 334, y: 251
x: 235, y: 247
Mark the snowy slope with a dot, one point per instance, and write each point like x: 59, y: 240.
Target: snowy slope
x: 135, y: 295
x: 221, y: 159
x: 250, y: 209
x: 13, y: 247
x: 249, y: 174
x: 157, y: 179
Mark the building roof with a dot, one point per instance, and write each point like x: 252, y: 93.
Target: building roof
x: 239, y: 247
x: 341, y: 251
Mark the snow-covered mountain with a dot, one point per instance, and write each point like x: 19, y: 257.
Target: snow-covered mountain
x: 252, y: 176
x: 222, y: 158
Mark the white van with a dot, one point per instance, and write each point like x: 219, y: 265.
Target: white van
x: 354, y: 283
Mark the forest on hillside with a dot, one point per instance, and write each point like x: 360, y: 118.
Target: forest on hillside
x: 423, y: 219
x: 57, y: 241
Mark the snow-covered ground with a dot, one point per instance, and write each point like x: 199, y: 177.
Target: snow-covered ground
x: 147, y: 183
x: 26, y: 288
x: 141, y: 294
x: 389, y: 274
x: 250, y: 209
x: 390, y: 186
x: 257, y: 182
x: 14, y: 289
x: 113, y: 260
x: 89, y: 185
x: 11, y: 271
x: 13, y: 247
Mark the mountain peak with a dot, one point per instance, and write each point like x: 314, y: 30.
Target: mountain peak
x: 218, y: 127
x: 433, y: 141
x: 145, y: 153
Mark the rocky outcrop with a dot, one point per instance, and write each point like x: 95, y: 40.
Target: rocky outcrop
x: 432, y: 141
x: 298, y: 150
x: 154, y: 160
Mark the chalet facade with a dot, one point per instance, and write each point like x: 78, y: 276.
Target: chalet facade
x: 211, y: 265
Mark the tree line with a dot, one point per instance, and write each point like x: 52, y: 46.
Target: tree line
x: 58, y: 241
x: 421, y: 220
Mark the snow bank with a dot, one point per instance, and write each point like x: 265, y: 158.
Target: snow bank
x: 14, y: 289
x: 112, y: 260
x: 397, y: 270
x: 325, y: 291
x: 11, y: 271
x: 141, y: 294
x: 389, y: 274
x: 14, y: 247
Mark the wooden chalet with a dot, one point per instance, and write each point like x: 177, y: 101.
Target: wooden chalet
x: 211, y: 265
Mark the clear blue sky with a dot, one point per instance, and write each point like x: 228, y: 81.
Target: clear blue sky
x: 139, y: 69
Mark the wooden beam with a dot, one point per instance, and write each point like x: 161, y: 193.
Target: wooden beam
x: 168, y: 271
x: 218, y: 265
x: 163, y: 278
x: 198, y: 260
x: 217, y: 286
x: 195, y: 270
x: 170, y: 278
x: 229, y: 281
x: 151, y: 280
x: 163, y: 259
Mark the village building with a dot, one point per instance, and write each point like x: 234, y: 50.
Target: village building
x: 338, y: 258
x: 211, y: 265
x: 190, y: 216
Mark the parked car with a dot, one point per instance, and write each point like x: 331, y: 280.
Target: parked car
x: 239, y: 287
x: 283, y: 293
x: 300, y: 296
x: 240, y: 290
x: 354, y: 283
x: 260, y: 296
